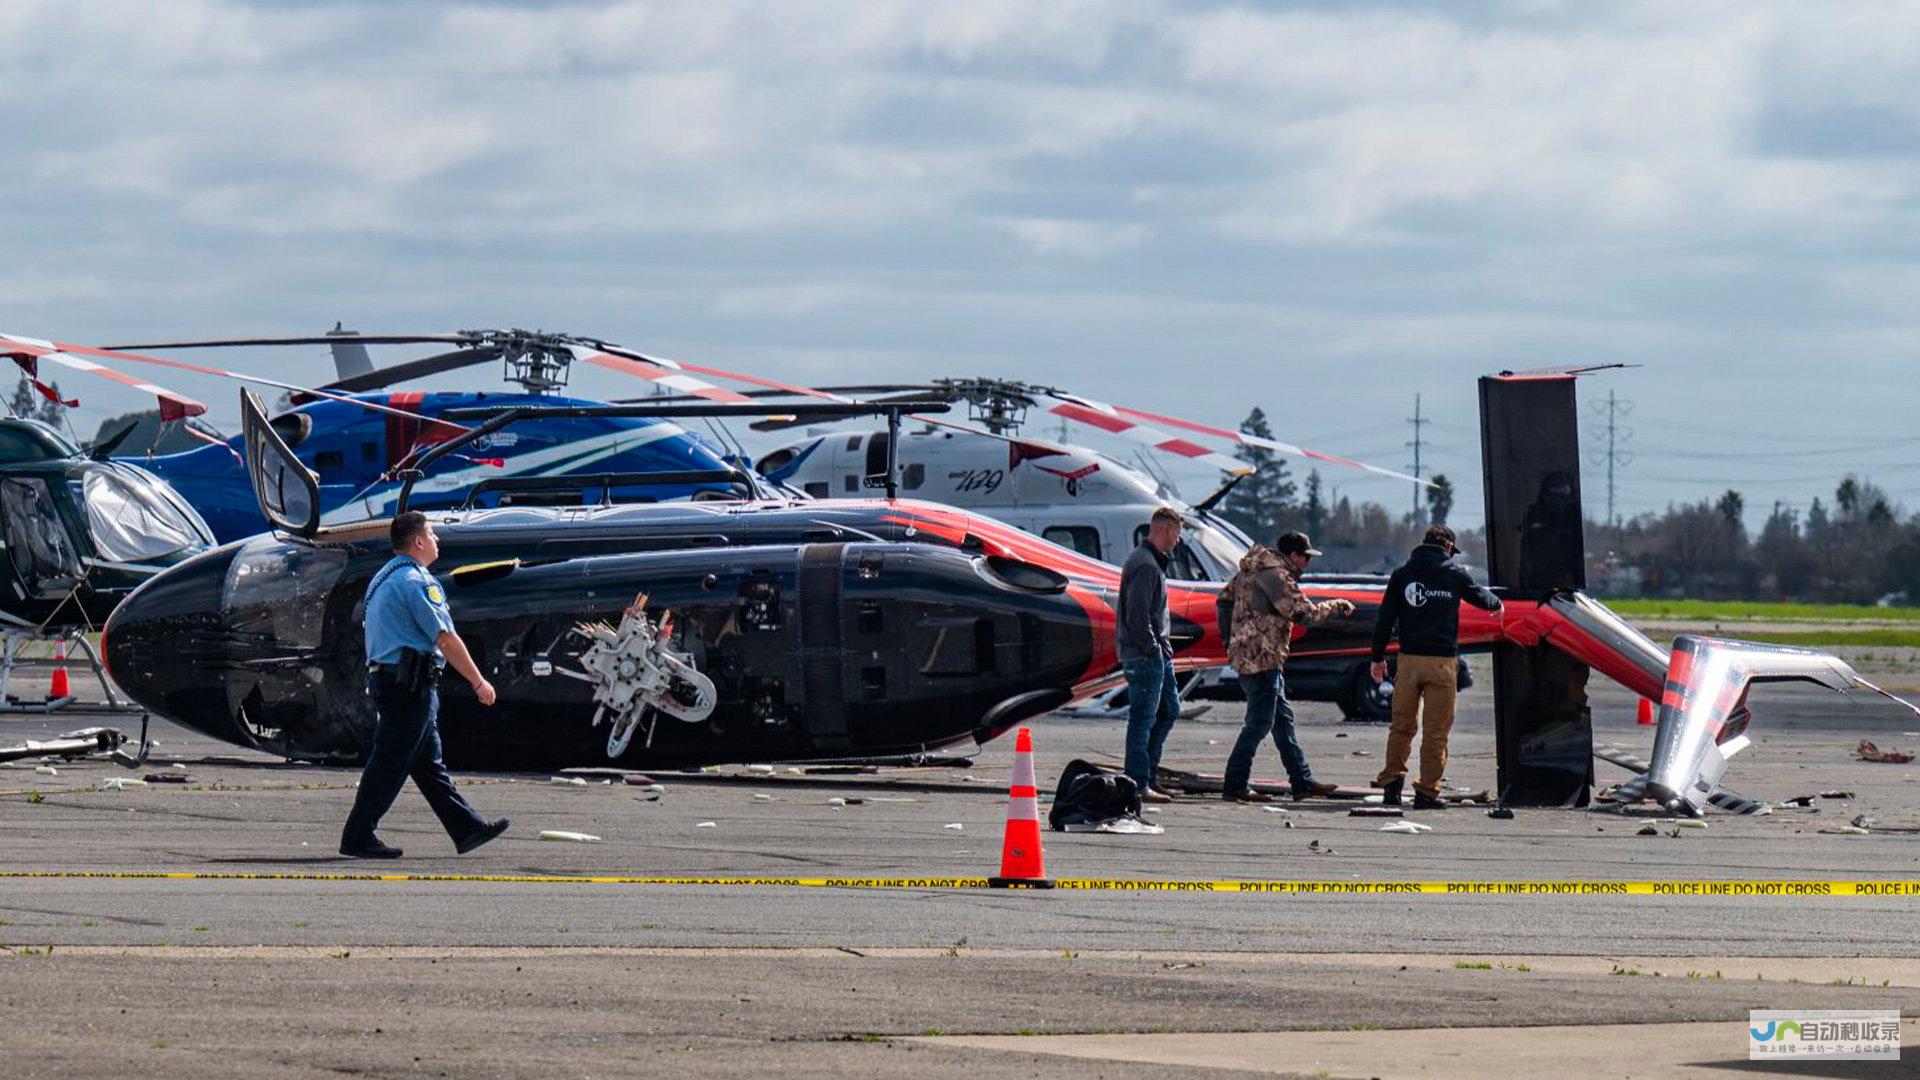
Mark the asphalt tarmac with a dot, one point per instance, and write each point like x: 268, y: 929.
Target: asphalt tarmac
x: 294, y: 976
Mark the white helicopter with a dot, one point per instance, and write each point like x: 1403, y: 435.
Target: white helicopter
x: 1074, y: 496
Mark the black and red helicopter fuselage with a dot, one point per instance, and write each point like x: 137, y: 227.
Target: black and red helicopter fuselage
x: 830, y: 629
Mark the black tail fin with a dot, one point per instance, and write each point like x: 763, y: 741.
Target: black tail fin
x: 1530, y: 451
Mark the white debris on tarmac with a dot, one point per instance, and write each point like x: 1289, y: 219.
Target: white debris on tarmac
x: 569, y: 837
x: 836, y: 801
x: 954, y: 825
x: 115, y: 783
x: 762, y: 770
x: 760, y: 796
x: 47, y: 770
x: 566, y: 781
x: 1690, y: 823
x: 1846, y: 830
x: 708, y: 825
x: 1412, y: 828
x: 1276, y: 810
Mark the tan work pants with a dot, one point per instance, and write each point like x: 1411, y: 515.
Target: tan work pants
x: 1429, y: 681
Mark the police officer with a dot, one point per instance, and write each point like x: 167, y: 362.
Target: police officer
x: 409, y: 635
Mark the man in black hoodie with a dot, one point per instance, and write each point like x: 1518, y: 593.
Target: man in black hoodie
x: 1423, y: 602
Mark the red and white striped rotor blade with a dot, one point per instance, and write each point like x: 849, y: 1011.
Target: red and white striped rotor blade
x: 77, y: 351
x: 1269, y: 444
x: 682, y: 377
x: 173, y: 405
x: 1107, y: 418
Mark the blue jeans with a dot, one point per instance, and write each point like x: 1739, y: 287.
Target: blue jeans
x: 1153, y: 704
x: 406, y: 743
x: 1267, y: 710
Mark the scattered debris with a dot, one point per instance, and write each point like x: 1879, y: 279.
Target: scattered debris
x: 1870, y: 752
x: 169, y: 778
x: 1801, y: 801
x: 759, y: 796
x: 569, y: 837
x: 1314, y: 848
x: 1376, y: 811
x: 762, y: 770
x: 1339, y: 734
x: 708, y: 825
x: 1501, y: 813
x: 1648, y: 830
x: 1836, y: 794
x: 1363, y: 753
x: 954, y: 825
x: 1862, y: 821
x: 46, y: 770
x: 566, y: 781
x: 1287, y: 824
x: 115, y: 783
x: 1845, y: 830
x: 1276, y: 810
x: 1690, y: 823
x: 1412, y: 828
x: 836, y: 801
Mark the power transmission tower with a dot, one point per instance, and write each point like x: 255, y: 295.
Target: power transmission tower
x: 1418, y: 424
x: 1612, y: 451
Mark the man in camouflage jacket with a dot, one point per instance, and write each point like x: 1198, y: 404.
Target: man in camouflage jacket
x: 1266, y: 602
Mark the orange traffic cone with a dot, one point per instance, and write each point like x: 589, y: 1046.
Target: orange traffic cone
x: 1021, y: 866
x: 58, y: 688
x: 1645, y: 716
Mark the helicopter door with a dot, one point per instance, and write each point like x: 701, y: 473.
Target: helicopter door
x: 45, y: 564
x: 289, y: 495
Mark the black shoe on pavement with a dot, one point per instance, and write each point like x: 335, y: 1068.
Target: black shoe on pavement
x: 1390, y: 791
x: 372, y: 849
x: 487, y: 832
x: 1249, y: 796
x: 1424, y: 801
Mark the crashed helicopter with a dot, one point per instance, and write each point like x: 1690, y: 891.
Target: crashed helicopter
x: 840, y: 630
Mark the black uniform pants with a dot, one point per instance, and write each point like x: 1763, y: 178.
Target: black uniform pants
x: 406, y: 742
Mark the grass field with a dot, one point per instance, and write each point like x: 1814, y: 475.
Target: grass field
x: 1760, y: 611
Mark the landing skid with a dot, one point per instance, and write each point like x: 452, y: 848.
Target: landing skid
x: 14, y: 641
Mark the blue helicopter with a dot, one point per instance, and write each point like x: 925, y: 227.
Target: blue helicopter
x: 363, y: 445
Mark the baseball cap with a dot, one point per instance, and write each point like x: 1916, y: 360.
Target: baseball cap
x: 1295, y: 543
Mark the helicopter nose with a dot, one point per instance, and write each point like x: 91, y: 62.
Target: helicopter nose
x: 165, y: 646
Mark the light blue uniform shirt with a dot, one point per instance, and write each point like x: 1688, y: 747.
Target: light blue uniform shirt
x: 406, y: 609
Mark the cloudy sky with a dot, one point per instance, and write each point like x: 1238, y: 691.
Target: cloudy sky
x: 1323, y: 209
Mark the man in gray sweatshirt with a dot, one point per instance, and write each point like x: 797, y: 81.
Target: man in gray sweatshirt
x: 1146, y: 654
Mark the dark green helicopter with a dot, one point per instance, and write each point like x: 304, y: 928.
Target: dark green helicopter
x: 80, y: 531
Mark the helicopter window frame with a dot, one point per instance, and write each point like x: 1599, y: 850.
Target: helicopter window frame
x: 128, y: 521
x: 1183, y: 564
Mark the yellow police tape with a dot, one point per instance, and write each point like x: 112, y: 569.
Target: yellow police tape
x: 1452, y: 888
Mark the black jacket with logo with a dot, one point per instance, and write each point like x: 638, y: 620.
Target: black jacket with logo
x: 1423, y: 601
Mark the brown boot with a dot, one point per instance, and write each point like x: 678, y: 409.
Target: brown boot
x: 1313, y: 789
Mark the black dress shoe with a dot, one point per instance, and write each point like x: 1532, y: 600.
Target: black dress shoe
x: 486, y: 832
x: 1390, y: 791
x: 1424, y: 801
x: 372, y: 849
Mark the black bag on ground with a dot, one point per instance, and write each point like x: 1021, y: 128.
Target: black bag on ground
x: 1089, y: 795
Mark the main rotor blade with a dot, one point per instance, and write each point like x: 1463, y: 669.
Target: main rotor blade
x: 677, y: 375
x: 1270, y: 444
x: 73, y: 352
x: 323, y: 339
x: 380, y: 378
x: 27, y: 352
x: 1107, y: 418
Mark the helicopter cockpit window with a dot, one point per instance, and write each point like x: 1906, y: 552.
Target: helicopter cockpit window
x: 43, y: 555
x: 280, y: 591
x: 130, y: 522
x: 1184, y: 564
